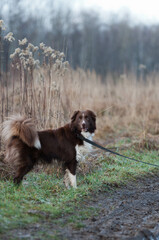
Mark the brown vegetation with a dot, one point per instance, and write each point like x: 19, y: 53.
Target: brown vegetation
x: 127, y: 107
x: 49, y: 91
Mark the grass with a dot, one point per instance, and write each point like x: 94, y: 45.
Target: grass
x: 43, y: 198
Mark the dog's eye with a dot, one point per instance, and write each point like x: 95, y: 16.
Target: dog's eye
x: 80, y: 117
x: 87, y: 118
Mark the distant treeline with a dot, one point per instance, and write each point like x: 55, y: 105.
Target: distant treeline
x: 115, y: 46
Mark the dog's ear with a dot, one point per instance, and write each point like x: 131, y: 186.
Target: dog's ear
x: 74, y: 116
x: 93, y: 121
x: 92, y: 114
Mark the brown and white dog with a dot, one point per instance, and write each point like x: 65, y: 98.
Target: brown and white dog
x: 25, y: 146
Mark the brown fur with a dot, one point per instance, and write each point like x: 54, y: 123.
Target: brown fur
x: 21, y: 152
x: 21, y: 127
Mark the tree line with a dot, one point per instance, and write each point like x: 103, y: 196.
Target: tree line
x: 107, y: 47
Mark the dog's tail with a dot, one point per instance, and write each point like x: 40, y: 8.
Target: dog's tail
x: 23, y: 128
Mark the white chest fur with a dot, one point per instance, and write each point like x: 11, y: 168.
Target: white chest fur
x: 84, y: 150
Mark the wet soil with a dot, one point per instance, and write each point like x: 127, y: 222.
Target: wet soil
x: 128, y: 212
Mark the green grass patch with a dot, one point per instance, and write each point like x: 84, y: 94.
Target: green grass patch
x: 43, y: 198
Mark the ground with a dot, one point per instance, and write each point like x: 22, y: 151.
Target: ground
x: 119, y: 214
x: 115, y: 199
x: 123, y: 213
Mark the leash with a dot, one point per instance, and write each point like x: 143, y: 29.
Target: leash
x: 80, y: 136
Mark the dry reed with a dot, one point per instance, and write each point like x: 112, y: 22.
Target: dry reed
x: 49, y: 91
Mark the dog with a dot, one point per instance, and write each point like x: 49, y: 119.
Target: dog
x: 25, y: 146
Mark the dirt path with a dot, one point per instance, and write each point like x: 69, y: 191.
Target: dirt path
x: 123, y: 213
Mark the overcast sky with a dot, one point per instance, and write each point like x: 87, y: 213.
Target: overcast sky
x: 143, y: 10
x: 139, y: 10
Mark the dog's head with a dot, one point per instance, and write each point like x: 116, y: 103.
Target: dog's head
x: 83, y: 121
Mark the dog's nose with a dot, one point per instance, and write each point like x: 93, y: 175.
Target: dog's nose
x: 83, y: 125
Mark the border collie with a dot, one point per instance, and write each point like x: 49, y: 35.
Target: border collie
x: 25, y: 146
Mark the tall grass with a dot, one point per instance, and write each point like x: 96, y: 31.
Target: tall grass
x: 49, y: 91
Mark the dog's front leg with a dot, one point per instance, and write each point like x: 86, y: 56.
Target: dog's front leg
x: 70, y: 175
x: 72, y: 179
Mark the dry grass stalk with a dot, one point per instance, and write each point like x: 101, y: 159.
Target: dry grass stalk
x: 49, y: 91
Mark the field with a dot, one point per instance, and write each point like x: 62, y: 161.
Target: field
x: 127, y: 119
